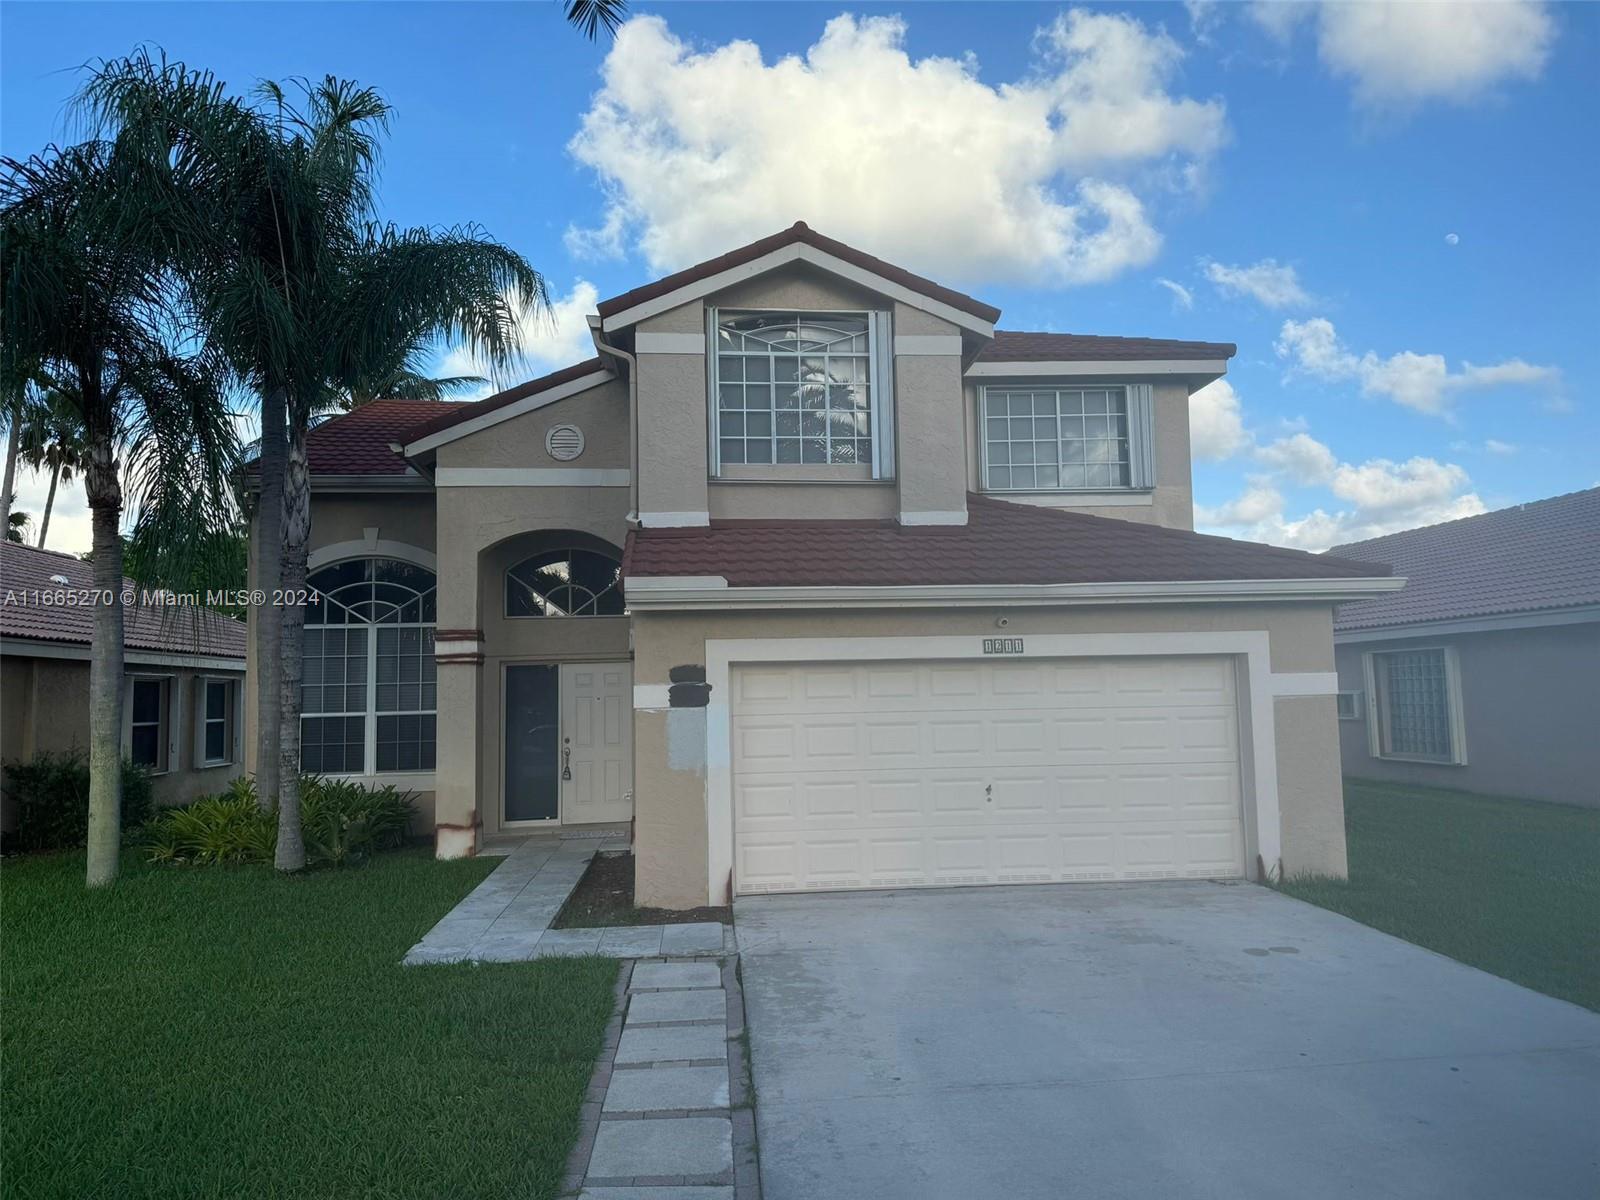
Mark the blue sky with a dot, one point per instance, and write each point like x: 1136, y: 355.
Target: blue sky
x: 1388, y: 207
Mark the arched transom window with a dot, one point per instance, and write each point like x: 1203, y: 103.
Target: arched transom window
x: 565, y: 582
x: 368, y: 693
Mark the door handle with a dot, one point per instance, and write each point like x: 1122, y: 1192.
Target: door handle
x: 566, y: 760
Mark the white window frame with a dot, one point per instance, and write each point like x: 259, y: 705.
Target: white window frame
x: 230, y: 719
x: 880, y: 358
x: 168, y: 726
x: 1454, y: 712
x: 1140, y: 405
x: 1349, y: 705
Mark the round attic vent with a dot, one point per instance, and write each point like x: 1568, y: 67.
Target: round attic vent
x: 564, y: 442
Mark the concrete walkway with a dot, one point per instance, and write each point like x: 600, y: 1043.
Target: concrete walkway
x: 506, y: 918
x: 1177, y: 1039
x: 667, y: 1114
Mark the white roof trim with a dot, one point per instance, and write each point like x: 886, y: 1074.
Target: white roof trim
x: 132, y: 656
x: 1131, y: 366
x: 529, y: 403
x: 1487, y: 623
x: 796, y: 252
x: 712, y: 592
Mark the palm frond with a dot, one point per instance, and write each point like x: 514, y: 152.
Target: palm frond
x: 589, y: 15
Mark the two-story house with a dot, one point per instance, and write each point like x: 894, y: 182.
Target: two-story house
x: 821, y: 581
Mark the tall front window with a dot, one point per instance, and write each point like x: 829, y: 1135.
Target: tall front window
x: 1065, y: 439
x: 795, y: 389
x: 368, y: 692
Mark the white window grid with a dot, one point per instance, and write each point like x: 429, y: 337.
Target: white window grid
x: 797, y: 392
x: 1057, y: 439
x: 216, y: 718
x: 369, y: 686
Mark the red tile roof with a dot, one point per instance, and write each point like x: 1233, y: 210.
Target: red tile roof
x: 1011, y: 345
x: 456, y: 413
x: 1536, y: 556
x: 799, y: 232
x: 1002, y: 542
x: 168, y: 630
x: 357, y: 442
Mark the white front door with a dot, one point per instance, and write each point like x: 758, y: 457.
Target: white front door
x: 935, y: 774
x: 596, y: 743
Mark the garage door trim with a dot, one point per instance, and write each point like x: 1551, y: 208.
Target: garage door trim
x: 1258, y: 686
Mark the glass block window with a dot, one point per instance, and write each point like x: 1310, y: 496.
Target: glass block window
x: 368, y: 691
x: 794, y: 388
x: 565, y: 583
x: 1053, y: 439
x: 1414, y: 699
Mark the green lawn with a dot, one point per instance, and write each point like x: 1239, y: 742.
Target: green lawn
x: 221, y: 1032
x: 1511, y: 886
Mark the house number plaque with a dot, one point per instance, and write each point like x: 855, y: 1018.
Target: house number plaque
x: 1002, y: 645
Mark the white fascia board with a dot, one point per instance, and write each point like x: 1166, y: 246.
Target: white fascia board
x: 1148, y: 366
x: 531, y: 477
x: 685, y: 519
x: 691, y: 595
x: 784, y: 255
x: 133, y: 657
x: 933, y: 516
x: 1485, y: 624
x: 641, y: 584
x: 527, y: 404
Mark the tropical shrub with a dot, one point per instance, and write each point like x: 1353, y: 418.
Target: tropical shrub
x: 51, y: 792
x: 342, y: 822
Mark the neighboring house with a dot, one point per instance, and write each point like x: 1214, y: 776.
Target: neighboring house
x: 1484, y: 674
x: 870, y: 594
x: 181, y: 711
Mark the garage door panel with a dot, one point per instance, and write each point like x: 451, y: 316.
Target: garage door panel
x: 941, y: 774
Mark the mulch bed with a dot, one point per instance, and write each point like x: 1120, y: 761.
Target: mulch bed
x: 604, y: 896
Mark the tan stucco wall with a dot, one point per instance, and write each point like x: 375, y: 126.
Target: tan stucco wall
x: 1171, y: 501
x: 670, y: 796
x: 44, y: 708
x: 601, y: 412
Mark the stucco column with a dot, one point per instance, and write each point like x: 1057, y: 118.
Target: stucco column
x: 458, y: 656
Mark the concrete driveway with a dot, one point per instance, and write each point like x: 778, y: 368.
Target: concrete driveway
x: 1183, y: 1039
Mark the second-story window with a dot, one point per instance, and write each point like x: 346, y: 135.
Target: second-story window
x: 796, y: 390
x: 1048, y: 439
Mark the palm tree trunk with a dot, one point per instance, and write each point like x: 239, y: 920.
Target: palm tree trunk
x: 49, y: 503
x: 268, y: 617
x: 104, y: 490
x: 8, y: 490
x: 291, y: 854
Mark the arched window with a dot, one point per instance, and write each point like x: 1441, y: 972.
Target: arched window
x: 565, y: 582
x: 368, y: 694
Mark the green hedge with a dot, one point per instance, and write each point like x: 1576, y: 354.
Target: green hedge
x: 51, y: 791
x: 342, y: 823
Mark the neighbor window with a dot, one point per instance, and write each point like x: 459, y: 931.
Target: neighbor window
x: 565, y: 583
x: 369, y: 692
x: 1416, y: 705
x: 149, y: 702
x: 216, y: 714
x: 796, y: 390
x: 1049, y: 439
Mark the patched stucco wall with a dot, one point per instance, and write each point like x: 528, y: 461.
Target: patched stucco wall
x: 670, y: 796
x: 1529, y: 699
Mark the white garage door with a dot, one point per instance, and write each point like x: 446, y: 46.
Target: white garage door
x: 935, y: 774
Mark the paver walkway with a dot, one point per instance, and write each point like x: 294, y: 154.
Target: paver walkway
x: 663, y: 1119
x: 506, y: 918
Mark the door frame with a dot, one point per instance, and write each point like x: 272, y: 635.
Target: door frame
x: 1258, y: 689
x: 557, y: 664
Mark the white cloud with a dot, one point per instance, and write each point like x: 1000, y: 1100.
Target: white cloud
x: 1301, y: 457
x: 550, y: 340
x: 1268, y: 282
x: 1181, y: 296
x: 1043, y: 180
x: 1216, y: 428
x: 1422, y: 382
x: 1402, y: 53
x: 1496, y: 446
x: 1204, y: 17
x: 1399, y: 53
x: 1452, y: 239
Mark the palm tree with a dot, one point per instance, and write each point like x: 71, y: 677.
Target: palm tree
x: 51, y: 439
x: 18, y: 524
x: 86, y: 297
